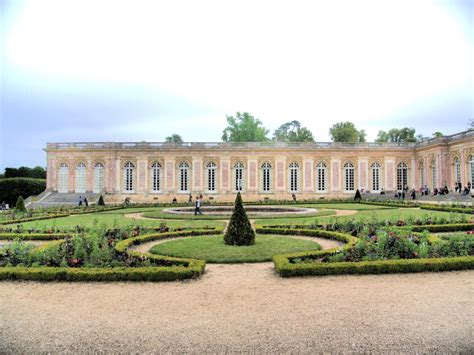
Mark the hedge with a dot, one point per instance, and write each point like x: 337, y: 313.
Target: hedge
x: 468, y: 210
x: 12, y: 188
x: 390, y: 203
x: 287, y: 269
x: 438, y: 228
x: 103, y: 274
x: 33, y: 236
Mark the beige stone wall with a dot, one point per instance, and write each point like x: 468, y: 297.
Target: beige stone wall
x: 336, y: 158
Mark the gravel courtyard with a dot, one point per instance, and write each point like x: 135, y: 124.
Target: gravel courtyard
x: 243, y: 308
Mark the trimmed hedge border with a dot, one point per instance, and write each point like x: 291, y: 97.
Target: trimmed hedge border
x: 468, y: 210
x: 170, y: 269
x: 33, y: 236
x: 285, y: 268
x: 59, y: 215
x: 443, y: 227
x: 391, y: 204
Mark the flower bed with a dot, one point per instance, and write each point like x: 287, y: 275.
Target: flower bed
x: 97, y: 257
x: 384, y: 252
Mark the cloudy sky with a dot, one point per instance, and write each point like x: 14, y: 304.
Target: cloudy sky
x: 142, y: 70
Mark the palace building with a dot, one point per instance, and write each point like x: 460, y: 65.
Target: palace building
x: 151, y: 172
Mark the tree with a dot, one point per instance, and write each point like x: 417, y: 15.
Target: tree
x: 244, y: 128
x: 395, y: 135
x: 37, y: 172
x: 293, y: 132
x: 239, y: 231
x: 101, y: 201
x: 346, y: 132
x: 174, y: 138
x: 20, y: 204
x: 438, y: 134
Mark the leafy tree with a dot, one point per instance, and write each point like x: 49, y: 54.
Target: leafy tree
x: 293, y: 132
x: 20, y: 204
x: 11, y: 188
x: 244, y: 128
x: 37, y: 172
x: 438, y: 134
x: 174, y: 138
x: 395, y: 135
x: 346, y: 132
x: 239, y: 231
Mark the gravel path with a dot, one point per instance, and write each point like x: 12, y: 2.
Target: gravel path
x: 243, y: 308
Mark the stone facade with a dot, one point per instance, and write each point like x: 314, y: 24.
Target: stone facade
x: 161, y: 171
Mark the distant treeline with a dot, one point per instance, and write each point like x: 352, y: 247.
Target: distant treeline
x: 37, y: 172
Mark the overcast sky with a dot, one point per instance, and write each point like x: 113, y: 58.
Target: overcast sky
x: 142, y: 70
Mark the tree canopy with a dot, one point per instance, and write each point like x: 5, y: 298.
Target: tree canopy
x: 174, y: 138
x: 244, y: 128
x: 396, y: 135
x: 346, y: 132
x: 37, y: 172
x: 293, y: 132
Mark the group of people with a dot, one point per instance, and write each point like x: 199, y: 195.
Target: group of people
x: 444, y: 190
x: 197, y: 203
x: 4, y: 206
x: 83, y: 201
x: 458, y: 188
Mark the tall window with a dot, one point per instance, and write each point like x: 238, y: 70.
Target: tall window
x: 402, y: 176
x: 80, y: 178
x: 348, y: 177
x: 457, y: 170
x: 98, y: 177
x: 155, y: 177
x: 294, y: 176
x: 266, y: 177
x: 471, y: 169
x: 375, y: 167
x: 184, y: 177
x: 238, y: 176
x: 63, y: 180
x: 128, y: 176
x: 321, y: 177
x: 422, y: 174
x: 211, y: 176
x: 434, y: 175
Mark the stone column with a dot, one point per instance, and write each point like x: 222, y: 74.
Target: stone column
x: 390, y: 184
x: 142, y: 176
x: 363, y: 173
x: 335, y: 175
x: 89, y: 171
x: 253, y: 175
x: 169, y: 176
x: 280, y: 175
x: 308, y: 175
x: 225, y: 176
x: 197, y: 176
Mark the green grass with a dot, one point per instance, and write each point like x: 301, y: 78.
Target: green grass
x: 213, y: 250
x: 159, y: 213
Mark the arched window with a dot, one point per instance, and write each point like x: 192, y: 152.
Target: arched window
x: 238, y: 176
x: 422, y: 174
x: 63, y: 179
x: 211, y: 176
x: 434, y: 175
x: 457, y: 170
x: 184, y: 177
x: 375, y: 167
x: 294, y: 175
x: 128, y: 176
x: 155, y: 175
x: 471, y: 169
x: 80, y: 178
x: 266, y: 170
x: 348, y: 177
x: 98, y: 178
x: 402, y: 176
x: 321, y: 177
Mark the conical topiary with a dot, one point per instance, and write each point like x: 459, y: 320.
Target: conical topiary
x: 20, y: 204
x: 101, y: 201
x: 239, y: 230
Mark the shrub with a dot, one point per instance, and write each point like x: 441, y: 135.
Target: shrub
x: 20, y: 204
x: 239, y: 231
x: 11, y: 188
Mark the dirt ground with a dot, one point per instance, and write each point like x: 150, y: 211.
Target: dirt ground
x: 243, y: 308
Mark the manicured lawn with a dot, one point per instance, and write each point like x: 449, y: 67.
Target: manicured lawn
x: 213, y: 250
x: 159, y: 213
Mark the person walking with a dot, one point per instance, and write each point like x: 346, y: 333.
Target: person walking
x: 80, y: 201
x: 197, y: 208
x: 86, y: 202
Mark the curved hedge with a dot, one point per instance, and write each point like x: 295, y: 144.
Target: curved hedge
x: 33, y: 236
x: 12, y: 188
x: 442, y: 208
x: 286, y: 267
